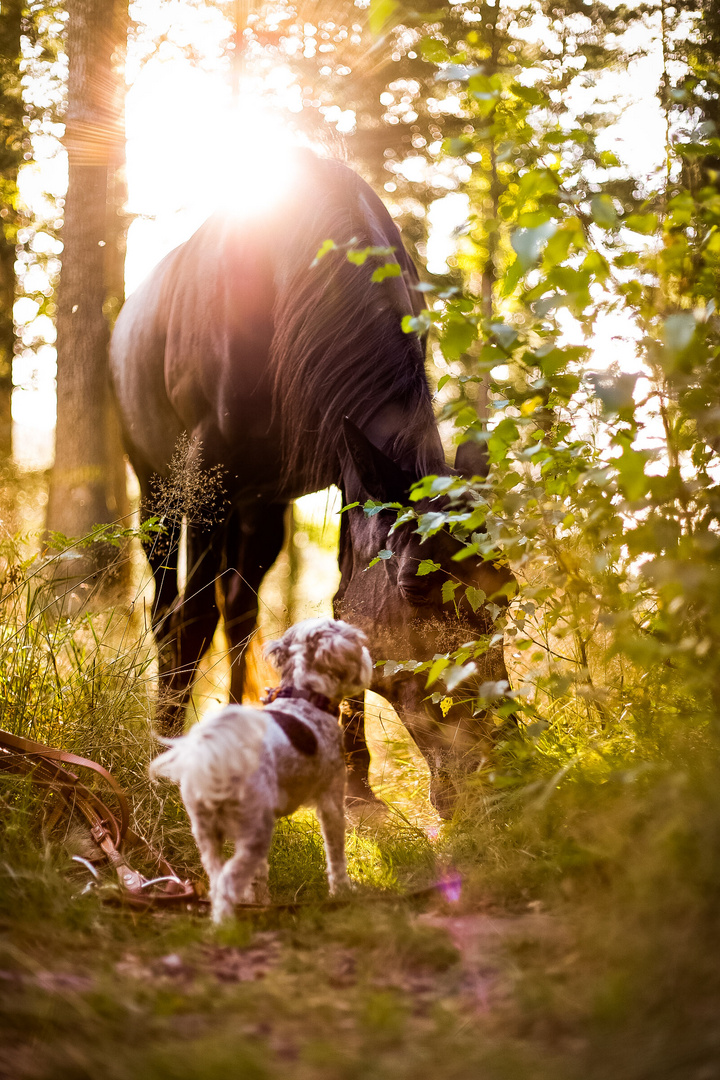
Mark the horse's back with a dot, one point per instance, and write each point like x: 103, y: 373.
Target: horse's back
x: 190, y: 350
x: 197, y: 346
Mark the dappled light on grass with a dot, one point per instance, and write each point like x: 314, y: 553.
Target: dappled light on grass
x: 398, y: 772
x: 390, y: 859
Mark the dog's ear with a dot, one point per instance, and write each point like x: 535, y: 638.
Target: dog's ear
x: 277, y: 652
x: 341, y: 656
x: 280, y: 651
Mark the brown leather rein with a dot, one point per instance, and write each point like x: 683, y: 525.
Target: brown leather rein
x: 110, y: 831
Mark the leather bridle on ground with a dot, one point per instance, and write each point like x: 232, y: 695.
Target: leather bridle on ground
x: 110, y: 831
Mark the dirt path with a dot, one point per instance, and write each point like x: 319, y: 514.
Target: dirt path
x: 485, y: 944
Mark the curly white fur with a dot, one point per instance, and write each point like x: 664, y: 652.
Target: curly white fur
x: 216, y: 755
x: 326, y: 656
x: 239, y: 771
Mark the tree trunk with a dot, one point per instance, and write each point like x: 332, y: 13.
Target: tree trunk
x: 81, y: 489
x: 11, y: 156
x: 118, y: 224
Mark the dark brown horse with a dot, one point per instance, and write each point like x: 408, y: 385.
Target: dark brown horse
x: 240, y: 345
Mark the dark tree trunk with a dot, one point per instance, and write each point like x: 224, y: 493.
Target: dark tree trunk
x: 11, y: 156
x: 83, y: 480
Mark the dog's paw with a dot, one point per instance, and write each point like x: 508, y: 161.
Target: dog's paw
x: 341, y: 887
x: 222, y: 911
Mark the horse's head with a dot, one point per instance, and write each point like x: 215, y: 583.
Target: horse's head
x: 410, y: 617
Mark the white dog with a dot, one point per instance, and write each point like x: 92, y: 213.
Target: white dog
x: 242, y: 768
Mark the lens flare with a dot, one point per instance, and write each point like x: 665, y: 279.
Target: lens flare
x: 450, y: 886
x: 257, y: 165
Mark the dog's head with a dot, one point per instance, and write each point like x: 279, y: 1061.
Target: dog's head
x: 326, y: 656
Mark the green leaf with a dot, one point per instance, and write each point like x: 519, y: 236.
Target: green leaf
x: 614, y: 390
x: 380, y: 557
x: 642, y: 223
x: 427, y: 566
x: 505, y: 335
x: 565, y: 385
x: 327, y: 245
x: 457, y: 337
x: 436, y: 669
x: 448, y: 590
x: 632, y: 480
x: 430, y: 523
x: 443, y: 380
x: 475, y: 597
x: 558, y: 246
x: 466, y: 552
x: 434, y: 50
x: 529, y: 94
x: 679, y: 331
x: 390, y: 269
x: 457, y: 147
x: 416, y: 324
x: 380, y: 14
x: 528, y: 243
x: 603, y: 211
x: 359, y: 256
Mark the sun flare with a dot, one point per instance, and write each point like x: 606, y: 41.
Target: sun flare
x: 257, y: 165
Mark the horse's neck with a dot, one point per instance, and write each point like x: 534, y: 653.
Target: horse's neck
x: 422, y: 449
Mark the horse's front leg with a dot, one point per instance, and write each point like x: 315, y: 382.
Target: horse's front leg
x: 358, y: 792
x: 253, y: 541
x: 357, y: 755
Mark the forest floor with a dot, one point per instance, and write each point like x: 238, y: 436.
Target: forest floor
x: 368, y: 990
x: 582, y: 944
x: 495, y: 980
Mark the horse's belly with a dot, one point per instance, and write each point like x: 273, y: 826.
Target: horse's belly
x: 137, y: 356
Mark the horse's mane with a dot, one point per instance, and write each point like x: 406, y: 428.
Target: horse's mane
x: 338, y: 347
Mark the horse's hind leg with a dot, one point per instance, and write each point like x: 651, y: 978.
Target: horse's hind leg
x: 253, y: 542
x: 161, y: 550
x: 191, y: 626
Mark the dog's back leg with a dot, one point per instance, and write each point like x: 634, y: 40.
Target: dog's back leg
x: 258, y: 891
x: 331, y: 814
x: 207, y: 830
x: 252, y: 843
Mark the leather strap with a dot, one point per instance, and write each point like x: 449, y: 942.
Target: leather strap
x: 21, y: 755
x: 47, y: 753
x: 301, y: 735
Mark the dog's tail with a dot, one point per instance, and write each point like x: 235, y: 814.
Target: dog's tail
x: 213, y: 761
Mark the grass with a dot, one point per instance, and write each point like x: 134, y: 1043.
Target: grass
x: 615, y: 834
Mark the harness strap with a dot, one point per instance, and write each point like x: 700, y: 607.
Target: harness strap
x: 300, y: 735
